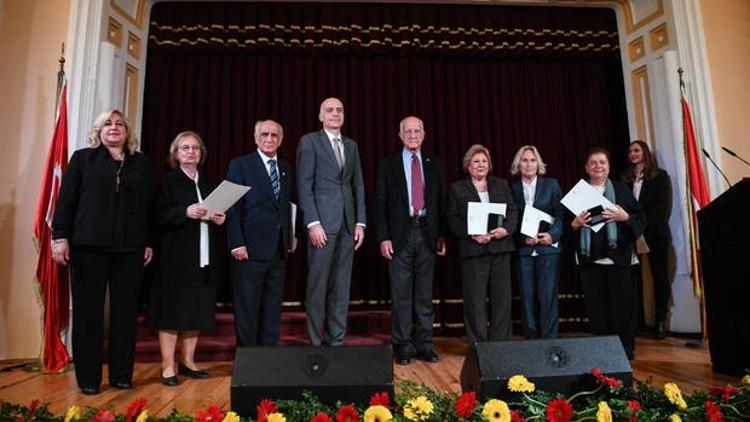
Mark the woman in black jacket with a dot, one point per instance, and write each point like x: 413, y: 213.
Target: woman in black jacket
x: 101, y: 225
x: 605, y: 257
x: 485, y: 258
x: 653, y: 190
x: 183, y: 299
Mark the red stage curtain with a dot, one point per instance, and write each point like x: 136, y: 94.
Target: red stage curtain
x: 497, y: 75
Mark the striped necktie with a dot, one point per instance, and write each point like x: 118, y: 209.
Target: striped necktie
x: 274, y: 178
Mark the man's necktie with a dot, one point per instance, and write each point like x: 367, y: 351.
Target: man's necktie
x: 417, y: 187
x: 337, y: 144
x: 274, y: 178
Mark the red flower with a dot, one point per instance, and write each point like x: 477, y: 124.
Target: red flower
x: 321, y: 417
x: 713, y: 413
x: 612, y: 383
x: 466, y: 404
x: 515, y: 416
x: 33, y: 405
x: 103, y: 416
x: 134, y: 409
x: 559, y: 410
x: 265, y: 408
x: 212, y: 414
x: 634, y: 406
x: 381, y: 399
x: 347, y: 413
x: 725, y: 392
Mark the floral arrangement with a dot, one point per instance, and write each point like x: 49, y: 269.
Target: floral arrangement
x: 609, y: 401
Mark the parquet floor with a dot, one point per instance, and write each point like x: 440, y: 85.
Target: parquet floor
x: 664, y: 361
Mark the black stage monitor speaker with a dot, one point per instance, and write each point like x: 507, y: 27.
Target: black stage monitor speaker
x: 349, y: 374
x: 556, y: 365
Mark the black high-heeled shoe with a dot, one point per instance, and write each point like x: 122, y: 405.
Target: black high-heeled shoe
x: 197, y: 374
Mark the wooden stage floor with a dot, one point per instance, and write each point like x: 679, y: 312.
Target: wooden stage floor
x: 665, y: 361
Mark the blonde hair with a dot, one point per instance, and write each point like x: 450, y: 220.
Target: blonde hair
x: 541, y: 168
x: 175, y: 145
x: 474, y: 150
x: 94, y: 140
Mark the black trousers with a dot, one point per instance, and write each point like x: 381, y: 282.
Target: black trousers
x: 658, y: 259
x: 258, y: 288
x: 487, y: 276
x: 411, y: 272
x: 610, y: 292
x: 91, y: 272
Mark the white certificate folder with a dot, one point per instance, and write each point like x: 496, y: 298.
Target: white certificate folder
x: 478, y: 214
x: 224, y: 196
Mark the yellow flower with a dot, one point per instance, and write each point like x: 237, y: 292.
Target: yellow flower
x: 604, y: 414
x: 377, y: 414
x: 746, y: 381
x: 73, y: 413
x: 276, y: 417
x: 418, y: 409
x: 519, y: 384
x: 229, y: 417
x: 496, y: 411
x: 674, y: 417
x: 143, y: 417
x: 672, y: 391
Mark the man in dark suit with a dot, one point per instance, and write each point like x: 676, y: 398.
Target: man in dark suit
x: 410, y: 208
x: 258, y: 231
x: 332, y: 198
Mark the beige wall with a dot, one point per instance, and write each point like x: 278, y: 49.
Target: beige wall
x: 31, y: 33
x: 726, y: 25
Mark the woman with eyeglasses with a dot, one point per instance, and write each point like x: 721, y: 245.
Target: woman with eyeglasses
x: 183, y: 295
x: 101, y: 227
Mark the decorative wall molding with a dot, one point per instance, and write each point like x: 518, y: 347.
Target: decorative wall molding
x: 659, y: 37
x: 134, y: 46
x: 114, y: 32
x: 636, y: 49
x: 642, y: 99
x: 132, y: 10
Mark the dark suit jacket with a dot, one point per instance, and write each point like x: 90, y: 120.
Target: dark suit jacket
x: 546, y: 198
x: 392, y: 208
x: 656, y: 201
x: 463, y: 192
x: 257, y: 220
x: 627, y: 232
x: 327, y: 194
x: 178, y: 249
x: 85, y: 209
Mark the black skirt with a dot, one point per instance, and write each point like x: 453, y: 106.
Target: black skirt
x: 182, y: 308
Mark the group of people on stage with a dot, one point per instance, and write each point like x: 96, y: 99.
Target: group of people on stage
x: 111, y: 221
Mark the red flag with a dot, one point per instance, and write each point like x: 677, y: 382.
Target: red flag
x: 698, y: 185
x: 53, y: 278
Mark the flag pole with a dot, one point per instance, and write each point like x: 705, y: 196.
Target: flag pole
x: 693, y: 229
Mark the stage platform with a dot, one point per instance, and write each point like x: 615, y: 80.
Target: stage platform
x: 665, y: 361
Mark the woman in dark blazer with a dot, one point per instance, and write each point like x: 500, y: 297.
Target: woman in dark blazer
x: 183, y: 298
x: 101, y: 225
x: 653, y: 190
x: 606, y: 257
x: 538, y: 257
x: 485, y: 258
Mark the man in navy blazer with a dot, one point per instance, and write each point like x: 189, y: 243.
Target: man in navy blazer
x: 410, y: 210
x: 332, y: 198
x: 258, y: 232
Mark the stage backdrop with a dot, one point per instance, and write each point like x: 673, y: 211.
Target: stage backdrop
x: 496, y: 75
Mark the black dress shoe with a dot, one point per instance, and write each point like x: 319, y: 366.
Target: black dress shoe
x: 197, y: 374
x: 429, y: 356
x: 661, y: 331
x: 90, y: 391
x: 402, y: 357
x: 122, y: 385
x: 170, y: 381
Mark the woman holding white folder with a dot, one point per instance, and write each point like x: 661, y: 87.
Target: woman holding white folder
x: 606, y: 256
x: 538, y: 256
x: 485, y: 258
x: 183, y: 299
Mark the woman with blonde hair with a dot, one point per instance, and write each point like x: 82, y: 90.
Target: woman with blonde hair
x: 101, y: 226
x: 538, y: 256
